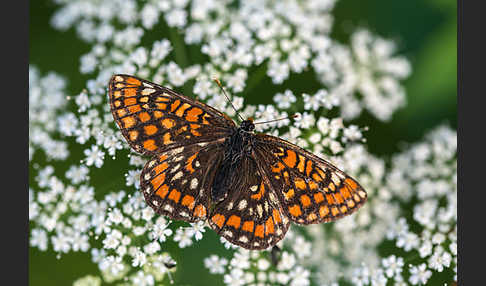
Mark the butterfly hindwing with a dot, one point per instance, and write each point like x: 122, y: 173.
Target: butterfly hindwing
x: 250, y: 215
x: 154, y: 118
x: 176, y: 183
x: 311, y: 189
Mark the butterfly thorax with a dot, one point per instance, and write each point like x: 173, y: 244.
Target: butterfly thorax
x: 238, y: 146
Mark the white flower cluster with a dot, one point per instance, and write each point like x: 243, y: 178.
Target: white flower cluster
x: 194, y: 42
x: 265, y: 267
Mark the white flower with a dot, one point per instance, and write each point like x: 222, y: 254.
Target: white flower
x: 393, y: 265
x: 215, y: 264
x: 439, y: 260
x: 299, y: 276
x: 38, y: 238
x: 143, y: 279
x: 160, y: 230
x: 94, y: 156
x: 139, y: 258
x: 197, y: 229
x: 285, y: 100
x: 183, y: 236
x: 419, y: 274
x: 77, y: 174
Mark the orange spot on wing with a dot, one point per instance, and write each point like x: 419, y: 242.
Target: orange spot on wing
x: 133, y: 135
x: 200, y: 211
x: 161, y: 106
x: 291, y: 159
x: 318, y: 197
x: 330, y: 199
x: 128, y: 121
x: 158, y: 114
x: 134, y: 108
x: 162, y: 191
x: 316, y: 177
x: 321, y: 173
x: 132, y: 80
x: 345, y: 192
x: 234, y: 221
x: 218, y: 219
x: 193, y: 114
x: 259, y: 230
x: 161, y: 167
x: 130, y: 92
x: 121, y: 112
x: 323, y: 211
x: 305, y: 200
x: 162, y: 157
x: 288, y: 195
x: 351, y: 183
x: 189, y: 163
x: 174, y: 105
x: 276, y: 216
x: 168, y: 123
x: 149, y: 145
x: 162, y: 99
x: 279, y: 168
x: 312, y: 185
x: 150, y: 129
x: 300, y: 166
x: 338, y: 198
x: 334, y: 211
x: 308, y: 167
x: 248, y: 226
x: 188, y: 201
x: 175, y: 195
x: 144, y: 116
x: 195, y: 133
x: 300, y: 184
x: 166, y: 138
x: 295, y: 210
x: 260, y: 193
x: 269, y: 226
x: 130, y: 101
x: 181, y: 109
x: 344, y: 209
x: 157, y: 181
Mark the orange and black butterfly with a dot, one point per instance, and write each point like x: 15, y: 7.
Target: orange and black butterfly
x: 248, y: 186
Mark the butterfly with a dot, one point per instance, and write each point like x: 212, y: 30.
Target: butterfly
x: 248, y: 186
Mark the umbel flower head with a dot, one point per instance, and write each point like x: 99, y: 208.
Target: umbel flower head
x: 73, y: 141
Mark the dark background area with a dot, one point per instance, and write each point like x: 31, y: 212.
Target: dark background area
x: 425, y: 32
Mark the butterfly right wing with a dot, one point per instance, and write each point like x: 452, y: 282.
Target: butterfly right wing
x: 177, y: 182
x: 153, y: 118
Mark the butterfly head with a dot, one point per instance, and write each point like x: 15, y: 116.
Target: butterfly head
x: 247, y: 125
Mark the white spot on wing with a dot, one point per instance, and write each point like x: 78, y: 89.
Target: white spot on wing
x: 242, y: 205
x: 177, y: 176
x: 194, y: 183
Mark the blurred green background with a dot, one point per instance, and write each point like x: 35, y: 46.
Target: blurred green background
x: 425, y: 31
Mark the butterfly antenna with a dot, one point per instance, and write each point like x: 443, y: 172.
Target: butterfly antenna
x: 273, y: 120
x: 227, y: 98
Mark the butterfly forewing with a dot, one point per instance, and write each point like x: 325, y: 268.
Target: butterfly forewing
x: 154, y: 118
x: 177, y: 182
x: 251, y: 215
x: 311, y: 189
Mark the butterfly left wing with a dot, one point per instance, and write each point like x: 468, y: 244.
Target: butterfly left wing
x: 251, y: 215
x: 311, y: 189
x: 153, y: 118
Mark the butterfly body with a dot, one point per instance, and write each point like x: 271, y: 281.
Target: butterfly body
x: 249, y: 187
